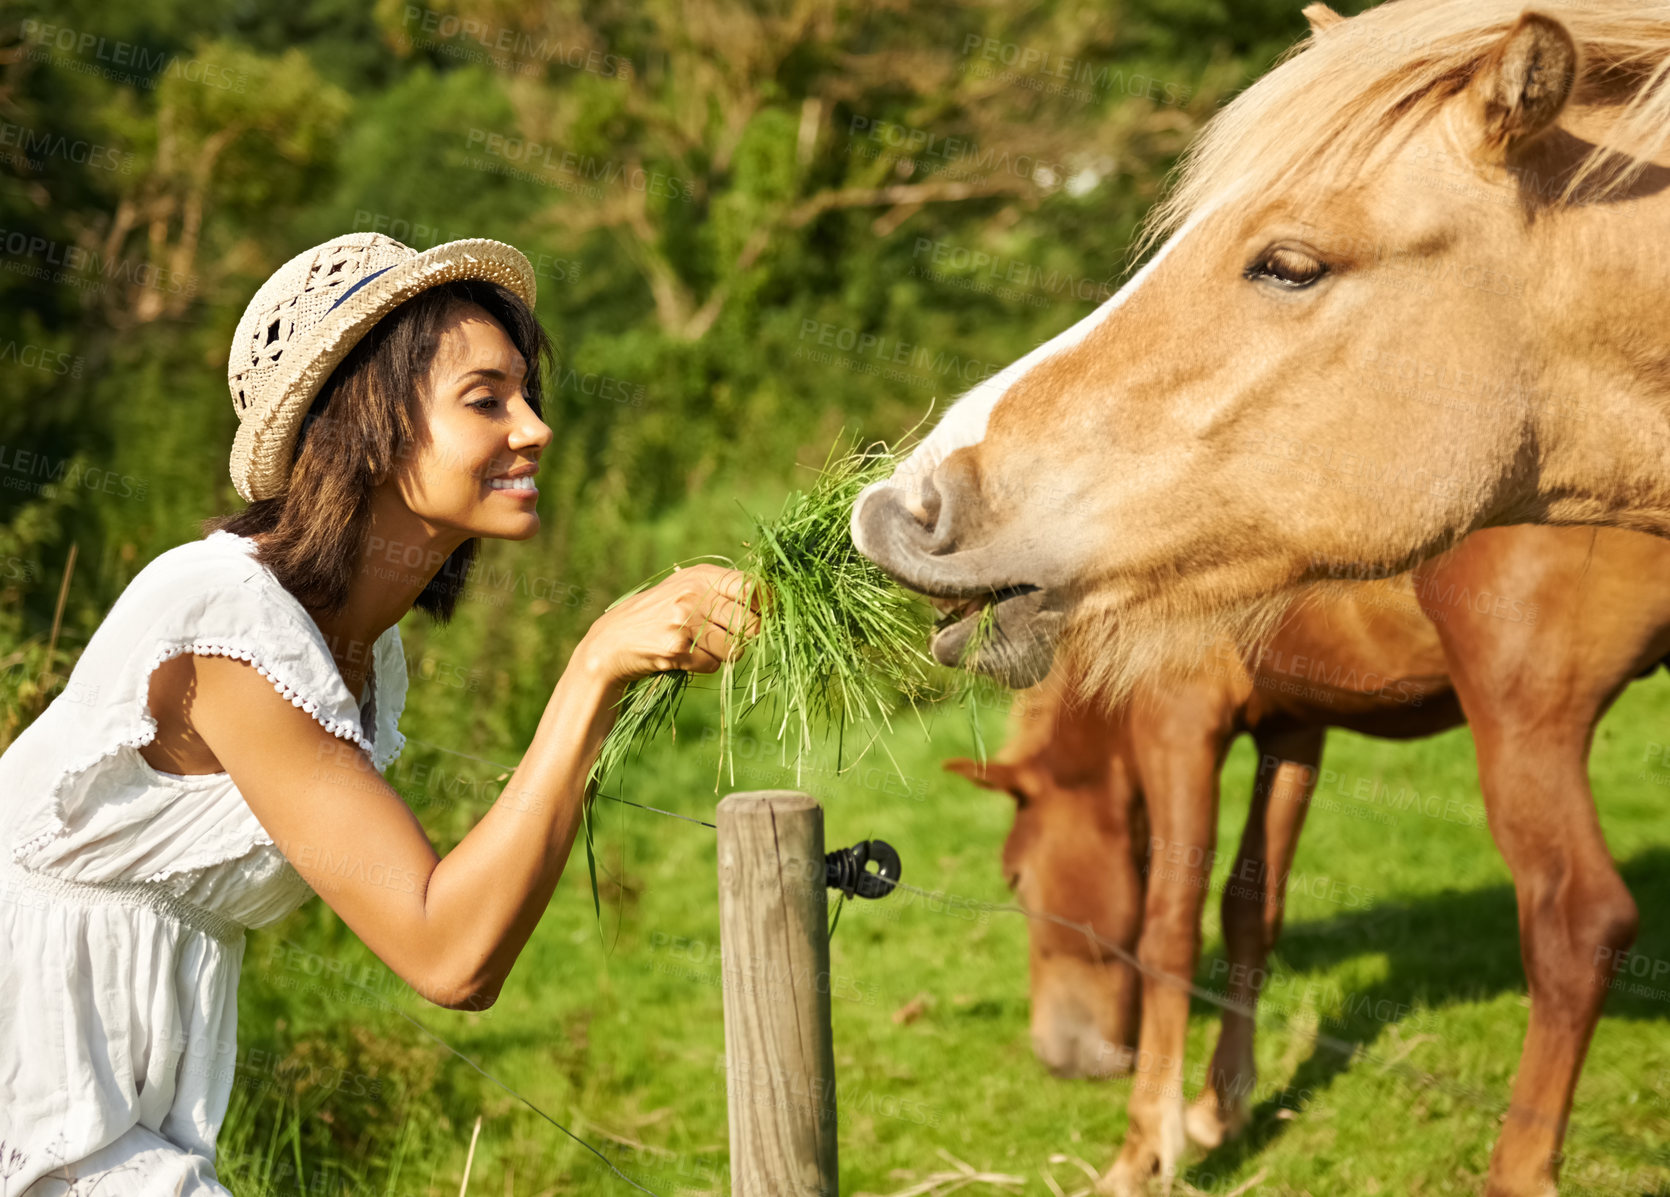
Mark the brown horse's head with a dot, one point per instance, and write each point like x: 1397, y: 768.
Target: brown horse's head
x: 1074, y: 852
x: 1391, y: 270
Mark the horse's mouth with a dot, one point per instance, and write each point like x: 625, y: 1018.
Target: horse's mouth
x: 1008, y: 634
x: 954, y: 612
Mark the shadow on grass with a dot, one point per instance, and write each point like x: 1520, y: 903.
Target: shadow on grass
x: 1448, y: 947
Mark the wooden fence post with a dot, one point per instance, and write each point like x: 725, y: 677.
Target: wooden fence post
x: 774, y: 939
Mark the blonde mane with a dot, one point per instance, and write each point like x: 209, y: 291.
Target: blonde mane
x: 1333, y: 96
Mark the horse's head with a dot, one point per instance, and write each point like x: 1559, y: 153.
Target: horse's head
x: 1073, y: 852
x: 1360, y: 340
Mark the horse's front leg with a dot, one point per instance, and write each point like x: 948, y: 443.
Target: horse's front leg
x: 1533, y: 693
x: 1254, y: 893
x: 1179, y: 762
x: 1576, y: 919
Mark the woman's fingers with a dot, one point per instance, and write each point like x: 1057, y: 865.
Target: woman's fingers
x: 719, y: 634
x: 712, y: 613
x: 742, y: 622
x: 726, y: 613
x: 728, y: 583
x: 709, y: 649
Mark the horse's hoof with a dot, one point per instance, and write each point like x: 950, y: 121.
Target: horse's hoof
x: 1120, y: 1181
x: 1211, y: 1126
x: 1135, y: 1174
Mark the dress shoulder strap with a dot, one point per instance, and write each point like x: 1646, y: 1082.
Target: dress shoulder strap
x: 209, y: 597
x: 212, y: 598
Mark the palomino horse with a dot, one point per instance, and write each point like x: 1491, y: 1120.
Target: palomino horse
x: 1413, y: 284
x: 1090, y: 786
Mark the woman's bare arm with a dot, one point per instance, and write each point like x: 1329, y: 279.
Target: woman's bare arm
x: 453, y: 927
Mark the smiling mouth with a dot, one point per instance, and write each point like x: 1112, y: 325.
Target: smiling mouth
x: 524, y: 483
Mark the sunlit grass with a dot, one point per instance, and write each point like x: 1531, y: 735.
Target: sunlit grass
x: 624, y: 1042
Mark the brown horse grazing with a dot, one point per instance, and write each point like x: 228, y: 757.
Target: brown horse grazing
x: 1413, y: 284
x: 1531, y: 631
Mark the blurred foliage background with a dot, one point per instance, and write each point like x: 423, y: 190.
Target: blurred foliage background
x: 754, y: 225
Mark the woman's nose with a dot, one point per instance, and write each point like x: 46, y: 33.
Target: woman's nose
x: 530, y: 431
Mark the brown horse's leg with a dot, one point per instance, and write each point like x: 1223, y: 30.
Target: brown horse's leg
x: 1575, y: 916
x: 1179, y: 747
x: 1253, y: 900
x: 1533, y: 692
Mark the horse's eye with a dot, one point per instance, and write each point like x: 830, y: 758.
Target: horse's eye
x: 1287, y: 267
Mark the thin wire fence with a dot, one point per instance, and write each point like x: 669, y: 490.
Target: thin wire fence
x: 1352, y: 1049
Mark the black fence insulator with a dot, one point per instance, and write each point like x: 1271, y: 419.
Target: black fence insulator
x: 847, y: 869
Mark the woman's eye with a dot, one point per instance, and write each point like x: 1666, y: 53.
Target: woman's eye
x: 1288, y: 268
x: 484, y: 404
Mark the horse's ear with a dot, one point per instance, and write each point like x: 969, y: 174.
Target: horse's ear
x: 992, y: 775
x: 1321, y: 18
x: 1524, y: 83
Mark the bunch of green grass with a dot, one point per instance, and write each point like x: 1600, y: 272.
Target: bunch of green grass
x: 839, y: 642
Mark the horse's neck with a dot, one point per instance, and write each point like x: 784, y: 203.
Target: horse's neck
x: 1602, y: 403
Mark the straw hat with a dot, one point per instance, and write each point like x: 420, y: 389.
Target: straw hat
x: 311, y: 312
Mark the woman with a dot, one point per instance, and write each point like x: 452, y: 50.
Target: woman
x: 216, y: 754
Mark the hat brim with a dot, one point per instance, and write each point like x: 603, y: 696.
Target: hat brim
x: 260, y: 464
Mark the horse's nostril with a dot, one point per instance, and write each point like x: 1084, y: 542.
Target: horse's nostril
x: 922, y: 501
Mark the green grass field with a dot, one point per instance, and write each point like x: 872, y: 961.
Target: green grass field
x: 619, y: 1036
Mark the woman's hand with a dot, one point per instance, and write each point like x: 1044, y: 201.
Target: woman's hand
x: 693, y: 620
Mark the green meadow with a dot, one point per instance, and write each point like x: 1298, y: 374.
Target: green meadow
x: 616, y: 1031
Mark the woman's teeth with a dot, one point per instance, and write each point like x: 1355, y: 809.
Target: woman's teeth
x: 525, y: 482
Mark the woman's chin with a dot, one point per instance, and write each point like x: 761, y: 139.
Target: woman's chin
x: 525, y: 528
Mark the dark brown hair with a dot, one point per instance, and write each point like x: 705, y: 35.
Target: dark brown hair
x: 367, y: 418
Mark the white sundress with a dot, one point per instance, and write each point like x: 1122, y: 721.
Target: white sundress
x: 125, y: 891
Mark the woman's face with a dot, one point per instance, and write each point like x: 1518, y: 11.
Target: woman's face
x: 474, y: 473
